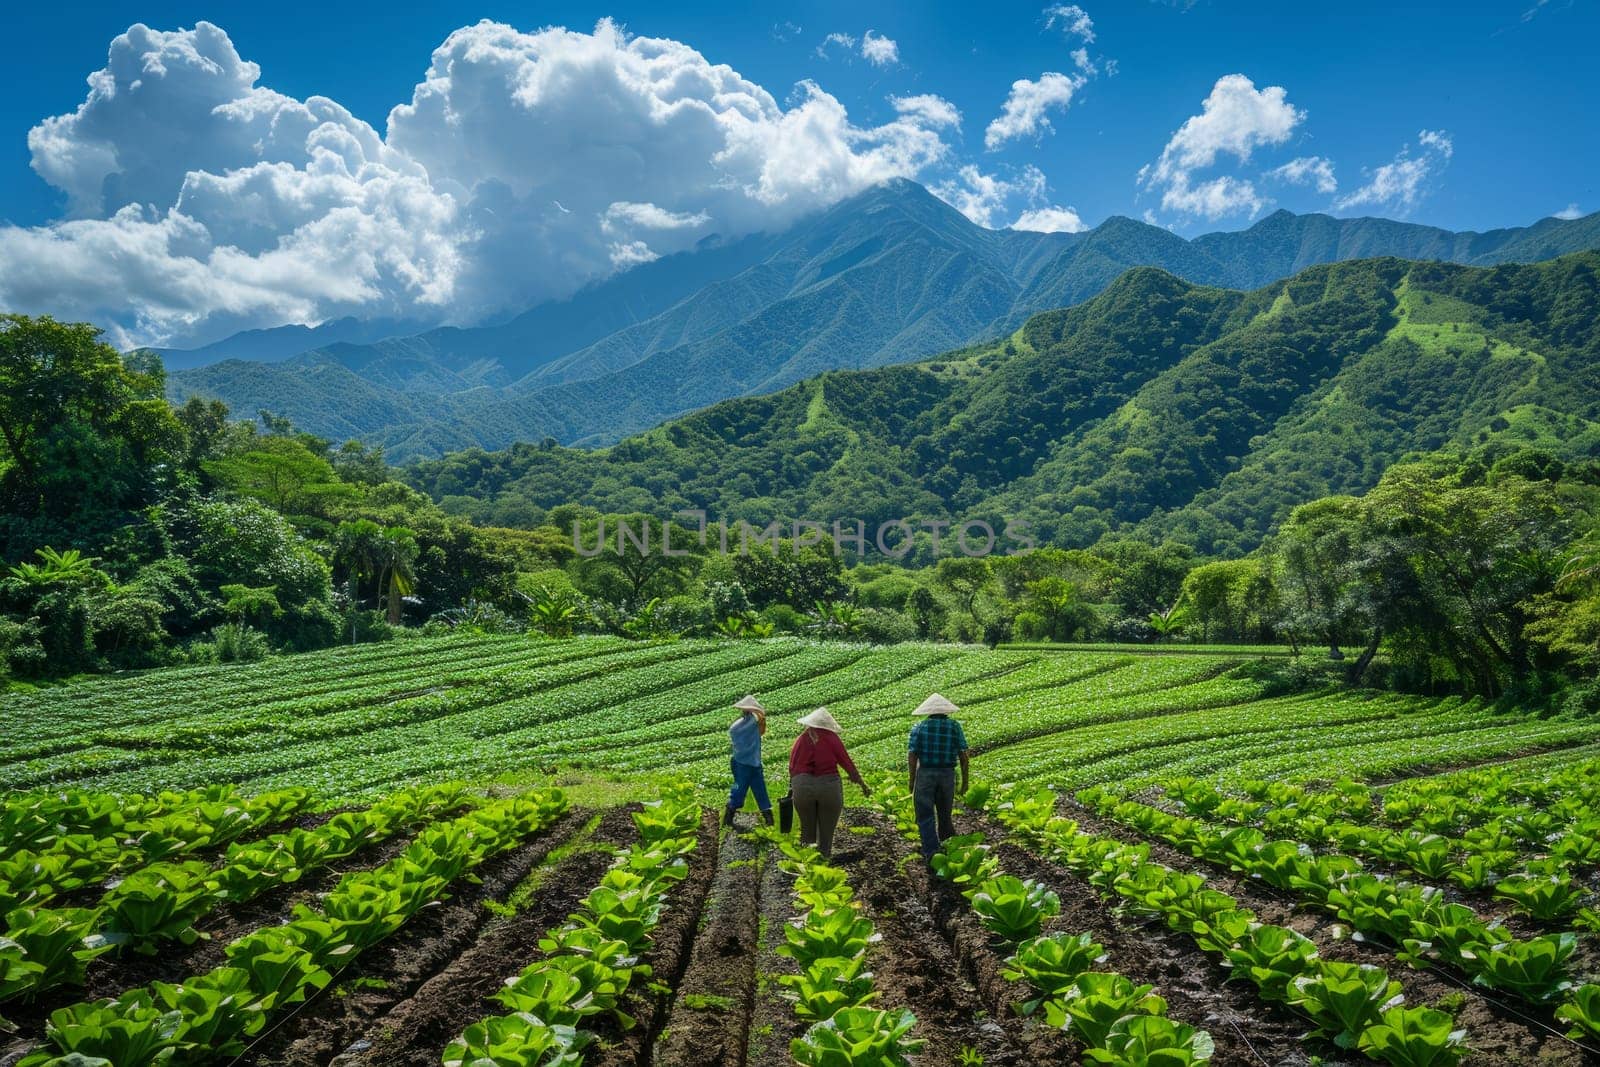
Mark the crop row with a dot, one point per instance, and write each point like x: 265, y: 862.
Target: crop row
x: 1487, y: 856
x: 589, y: 962
x: 832, y: 991
x: 1428, y: 928
x: 1469, y: 798
x: 459, y: 731
x: 1115, y: 1019
x: 176, y: 692
x: 574, y: 722
x: 44, y: 948
x: 61, y: 843
x: 1355, y: 1006
x: 212, y: 1015
x: 218, y: 721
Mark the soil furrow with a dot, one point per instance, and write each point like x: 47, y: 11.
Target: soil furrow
x: 414, y: 1031
x: 709, y: 1022
x: 668, y: 959
x: 914, y: 968
x: 396, y: 967
x: 1498, y: 1033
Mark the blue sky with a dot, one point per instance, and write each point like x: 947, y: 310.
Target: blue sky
x: 1481, y: 118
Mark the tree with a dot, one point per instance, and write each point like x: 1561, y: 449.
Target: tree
x: 86, y: 437
x: 923, y: 609
x: 283, y: 473
x: 1236, y: 596
x: 1055, y: 608
x: 397, y: 551
x: 639, y: 557
x: 55, y: 595
x: 242, y: 603
x: 966, y: 577
x: 1473, y: 560
x: 1171, y: 622
x: 358, y: 551
x: 1146, y: 578
x: 1314, y: 556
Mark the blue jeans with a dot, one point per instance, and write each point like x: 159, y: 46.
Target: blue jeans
x: 932, y: 800
x: 751, y: 778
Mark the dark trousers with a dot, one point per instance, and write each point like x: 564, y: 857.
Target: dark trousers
x: 751, y: 778
x: 932, y: 799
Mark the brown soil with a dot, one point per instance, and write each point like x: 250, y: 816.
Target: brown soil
x: 393, y: 969
x: 916, y: 968
x: 1498, y: 1031
x: 415, y: 1030
x: 668, y: 958
x: 709, y: 1021
x: 773, y: 1023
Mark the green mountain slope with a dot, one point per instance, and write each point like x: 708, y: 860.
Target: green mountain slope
x: 1158, y: 406
x: 890, y: 276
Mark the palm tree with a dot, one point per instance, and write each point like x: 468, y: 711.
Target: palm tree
x: 397, y: 551
x: 55, y: 568
x: 1170, y: 623
x: 357, y: 550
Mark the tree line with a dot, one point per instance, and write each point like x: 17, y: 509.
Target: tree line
x: 137, y: 534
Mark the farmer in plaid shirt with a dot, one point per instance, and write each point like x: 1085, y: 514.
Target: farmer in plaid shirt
x: 937, y: 746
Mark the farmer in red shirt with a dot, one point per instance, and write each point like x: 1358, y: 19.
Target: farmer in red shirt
x: 814, y: 764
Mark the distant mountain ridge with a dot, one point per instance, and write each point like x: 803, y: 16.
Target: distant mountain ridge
x: 1158, y: 408
x: 886, y: 277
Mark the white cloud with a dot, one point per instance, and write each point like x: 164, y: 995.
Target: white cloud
x: 1073, y: 20
x: 1052, y: 219
x: 1235, y: 119
x: 649, y: 216
x: 1439, y: 141
x: 1400, y: 184
x: 1569, y: 212
x: 625, y: 254
x: 1307, y: 170
x: 932, y: 111
x: 843, y: 40
x: 524, y: 166
x: 878, y: 50
x: 983, y: 197
x: 1026, y: 110
x: 1214, y: 198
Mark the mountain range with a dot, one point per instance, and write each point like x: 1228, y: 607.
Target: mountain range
x: 1158, y: 408
x: 890, y: 276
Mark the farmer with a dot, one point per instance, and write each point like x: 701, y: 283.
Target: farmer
x: 748, y: 774
x: 814, y: 764
x: 936, y: 746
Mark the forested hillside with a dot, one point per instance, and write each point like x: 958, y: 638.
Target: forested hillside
x: 889, y: 276
x: 1159, y: 407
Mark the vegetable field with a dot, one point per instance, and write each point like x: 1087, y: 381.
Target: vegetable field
x: 357, y: 722
x: 356, y: 857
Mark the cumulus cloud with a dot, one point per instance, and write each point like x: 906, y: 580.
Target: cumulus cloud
x: 1052, y: 219
x: 1570, y: 212
x: 879, y: 50
x: 1026, y: 110
x: 1307, y: 170
x: 931, y: 111
x: 524, y: 166
x: 1398, y: 185
x: 982, y: 197
x: 1235, y: 119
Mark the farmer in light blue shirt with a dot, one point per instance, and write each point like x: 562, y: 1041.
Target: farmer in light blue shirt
x: 748, y: 775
